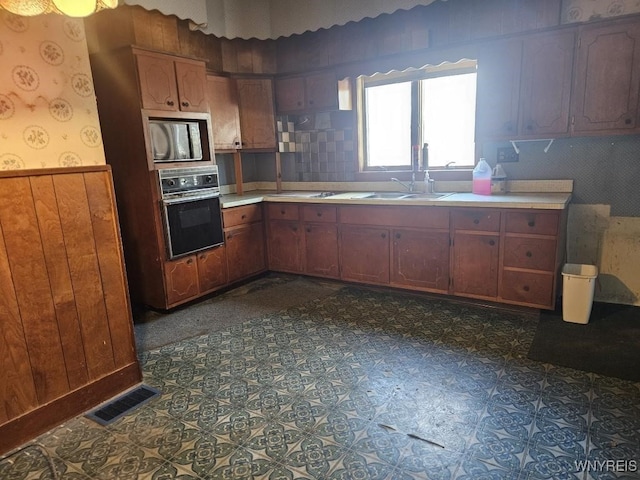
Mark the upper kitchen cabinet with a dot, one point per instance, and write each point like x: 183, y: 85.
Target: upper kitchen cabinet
x: 498, y: 91
x: 316, y: 92
x: 171, y: 83
x: 607, y: 83
x: 545, y: 87
x: 225, y: 114
x: 257, y: 116
x: 524, y: 87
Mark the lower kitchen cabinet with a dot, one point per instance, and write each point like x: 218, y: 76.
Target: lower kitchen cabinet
x: 475, y: 264
x: 284, y: 246
x: 420, y: 260
x: 364, y: 254
x: 245, y: 251
x: 475, y: 252
x: 321, y: 250
x: 189, y: 277
x: 181, y: 277
x: 212, y: 268
x: 284, y: 237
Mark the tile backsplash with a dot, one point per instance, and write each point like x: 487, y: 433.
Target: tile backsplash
x: 318, y: 155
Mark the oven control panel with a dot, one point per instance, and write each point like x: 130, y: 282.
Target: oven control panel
x: 175, y: 181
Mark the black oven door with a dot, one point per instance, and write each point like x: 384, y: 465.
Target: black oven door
x: 192, y: 224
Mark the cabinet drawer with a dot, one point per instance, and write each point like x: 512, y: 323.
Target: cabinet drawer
x: 528, y: 287
x: 406, y: 216
x: 532, y: 222
x: 241, y: 215
x: 478, y: 219
x: 282, y: 211
x: 533, y: 253
x: 319, y: 213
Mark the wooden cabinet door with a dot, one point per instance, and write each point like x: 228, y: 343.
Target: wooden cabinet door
x: 191, y: 78
x: 321, y: 91
x: 607, y: 83
x: 212, y: 268
x: 158, y: 89
x: 225, y: 114
x: 498, y: 94
x: 321, y: 250
x: 475, y: 264
x: 181, y: 277
x: 284, y: 246
x: 421, y: 259
x: 545, y: 91
x: 290, y: 94
x: 364, y: 254
x: 257, y: 117
x: 245, y: 251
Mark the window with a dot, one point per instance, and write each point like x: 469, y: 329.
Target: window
x: 435, y: 105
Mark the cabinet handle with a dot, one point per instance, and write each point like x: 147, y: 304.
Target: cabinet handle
x: 190, y: 261
x: 282, y: 212
x: 202, y: 256
x: 308, y: 230
x: 526, y: 288
x: 185, y: 104
x: 531, y: 223
x: 319, y: 214
x: 243, y: 217
x: 383, y: 235
x: 170, y: 103
x: 310, y: 102
x: 476, y: 221
x: 529, y: 254
x: 236, y: 143
x: 627, y: 121
x: 229, y: 236
x: 398, y: 235
x: 492, y: 242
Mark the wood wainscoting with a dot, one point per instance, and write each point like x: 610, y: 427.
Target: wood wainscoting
x: 67, y: 340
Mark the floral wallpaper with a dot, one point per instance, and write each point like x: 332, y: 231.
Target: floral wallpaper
x: 585, y: 10
x: 48, y: 111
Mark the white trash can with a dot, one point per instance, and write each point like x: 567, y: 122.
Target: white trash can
x: 578, y: 283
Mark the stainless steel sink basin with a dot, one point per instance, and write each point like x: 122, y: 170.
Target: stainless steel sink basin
x: 391, y: 195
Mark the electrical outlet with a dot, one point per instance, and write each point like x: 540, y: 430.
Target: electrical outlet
x: 507, y: 154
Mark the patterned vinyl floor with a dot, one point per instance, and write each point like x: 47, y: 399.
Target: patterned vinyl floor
x: 357, y: 385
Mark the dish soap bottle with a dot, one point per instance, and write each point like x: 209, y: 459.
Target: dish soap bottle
x: 482, y: 178
x: 498, y: 180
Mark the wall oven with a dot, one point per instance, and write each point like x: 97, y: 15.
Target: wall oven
x: 190, y: 203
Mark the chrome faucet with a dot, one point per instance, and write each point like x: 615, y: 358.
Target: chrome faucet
x: 410, y: 186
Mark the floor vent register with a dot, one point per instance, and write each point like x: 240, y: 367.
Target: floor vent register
x: 120, y: 406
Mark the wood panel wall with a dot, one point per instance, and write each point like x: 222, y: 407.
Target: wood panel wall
x: 67, y: 332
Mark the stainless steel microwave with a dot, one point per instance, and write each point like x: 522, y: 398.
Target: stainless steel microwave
x: 175, y: 140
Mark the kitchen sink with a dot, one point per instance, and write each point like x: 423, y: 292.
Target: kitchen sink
x: 391, y: 195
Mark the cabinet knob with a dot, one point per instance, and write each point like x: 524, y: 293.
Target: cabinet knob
x: 243, y: 217
x: 310, y: 102
x: 383, y: 235
x: 529, y: 254
x: 627, y: 121
x: 531, y: 223
x: 319, y: 214
x: 185, y: 104
x: 398, y: 235
x: 190, y: 261
x: 299, y: 104
x: 476, y: 221
x: 526, y: 288
x: 282, y: 212
x: 236, y: 143
x: 492, y: 242
x: 308, y: 229
x: 170, y: 103
x: 295, y: 229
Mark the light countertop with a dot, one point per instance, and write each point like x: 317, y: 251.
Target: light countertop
x: 545, y: 201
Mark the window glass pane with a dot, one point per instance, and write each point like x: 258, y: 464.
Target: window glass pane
x: 388, y: 111
x: 448, y: 119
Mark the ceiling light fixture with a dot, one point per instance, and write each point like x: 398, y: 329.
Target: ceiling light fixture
x: 71, y: 8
